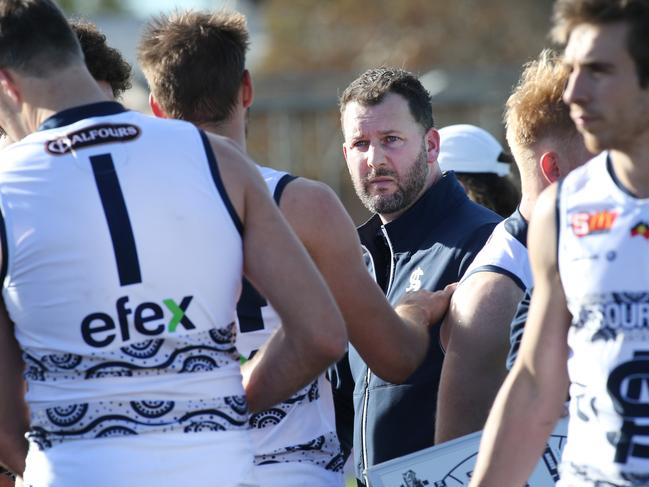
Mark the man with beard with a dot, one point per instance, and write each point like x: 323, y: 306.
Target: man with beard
x: 424, y: 234
x: 194, y: 63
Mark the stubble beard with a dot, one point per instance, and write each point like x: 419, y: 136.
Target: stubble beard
x: 407, y: 192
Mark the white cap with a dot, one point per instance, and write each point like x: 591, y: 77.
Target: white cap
x: 467, y: 148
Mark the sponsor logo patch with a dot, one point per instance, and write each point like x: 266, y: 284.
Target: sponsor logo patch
x: 592, y: 222
x: 150, y: 319
x: 640, y: 230
x: 94, y: 135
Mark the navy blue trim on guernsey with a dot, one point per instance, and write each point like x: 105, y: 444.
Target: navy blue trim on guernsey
x: 516, y: 226
x: 216, y: 176
x: 497, y: 270
x: 281, y: 184
x: 74, y: 114
x: 557, y: 217
x: 616, y: 181
x: 5, y: 250
x: 119, y: 223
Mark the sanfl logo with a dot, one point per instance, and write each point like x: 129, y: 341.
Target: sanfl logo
x: 415, y: 280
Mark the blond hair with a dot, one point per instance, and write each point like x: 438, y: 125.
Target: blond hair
x: 535, y: 108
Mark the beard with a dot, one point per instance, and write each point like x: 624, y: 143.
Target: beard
x: 407, y: 192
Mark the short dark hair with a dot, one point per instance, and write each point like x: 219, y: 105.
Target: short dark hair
x: 371, y: 87
x: 194, y: 63
x: 104, y: 62
x: 35, y: 37
x: 634, y: 13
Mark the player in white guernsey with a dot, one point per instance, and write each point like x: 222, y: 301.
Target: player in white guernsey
x: 546, y: 146
x: 111, y: 72
x: 184, y: 58
x: 123, y: 243
x: 589, y: 318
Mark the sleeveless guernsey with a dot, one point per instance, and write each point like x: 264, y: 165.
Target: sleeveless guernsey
x: 121, y: 271
x: 506, y: 252
x: 295, y: 441
x: 603, y: 262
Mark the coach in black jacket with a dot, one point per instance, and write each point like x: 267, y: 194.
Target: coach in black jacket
x: 424, y: 234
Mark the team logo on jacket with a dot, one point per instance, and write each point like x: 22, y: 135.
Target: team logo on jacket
x: 640, y: 229
x: 592, y: 222
x: 415, y: 280
x: 94, y: 135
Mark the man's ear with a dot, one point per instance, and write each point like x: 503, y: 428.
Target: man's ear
x: 549, y: 166
x: 155, y: 108
x: 247, y: 90
x: 432, y: 144
x: 9, y: 87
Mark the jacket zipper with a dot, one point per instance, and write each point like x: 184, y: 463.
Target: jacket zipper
x: 368, y: 375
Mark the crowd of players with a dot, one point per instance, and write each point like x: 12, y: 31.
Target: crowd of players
x: 175, y: 313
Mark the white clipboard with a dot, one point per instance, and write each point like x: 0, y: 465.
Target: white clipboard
x: 451, y: 464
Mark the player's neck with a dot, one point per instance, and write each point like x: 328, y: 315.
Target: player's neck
x: 632, y: 169
x: 230, y: 130
x: 531, y: 187
x: 69, y: 88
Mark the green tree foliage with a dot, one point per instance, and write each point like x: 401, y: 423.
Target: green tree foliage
x: 316, y: 35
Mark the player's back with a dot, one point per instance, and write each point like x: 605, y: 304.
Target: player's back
x: 295, y: 441
x: 123, y: 261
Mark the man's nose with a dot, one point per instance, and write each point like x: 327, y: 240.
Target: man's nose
x: 375, y: 156
x: 576, y: 90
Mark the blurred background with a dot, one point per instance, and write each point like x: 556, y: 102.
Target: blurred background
x: 468, y: 54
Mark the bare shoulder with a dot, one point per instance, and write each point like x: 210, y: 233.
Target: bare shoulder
x: 237, y: 170
x: 483, y: 301
x: 481, y: 288
x: 310, y: 197
x: 316, y: 214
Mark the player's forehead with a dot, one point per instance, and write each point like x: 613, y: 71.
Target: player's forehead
x: 391, y: 114
x: 596, y: 43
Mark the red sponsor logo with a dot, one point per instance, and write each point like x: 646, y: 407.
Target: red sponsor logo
x: 641, y: 229
x: 593, y: 222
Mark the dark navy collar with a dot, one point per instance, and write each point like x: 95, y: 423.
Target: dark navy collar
x: 415, y: 223
x: 516, y: 225
x: 74, y: 114
x: 616, y: 180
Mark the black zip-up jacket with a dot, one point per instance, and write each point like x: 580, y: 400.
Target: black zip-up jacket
x: 430, y: 245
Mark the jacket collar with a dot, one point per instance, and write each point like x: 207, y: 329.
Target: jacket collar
x: 429, y: 211
x: 74, y: 114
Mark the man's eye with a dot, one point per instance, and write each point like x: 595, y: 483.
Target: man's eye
x: 361, y: 144
x: 391, y: 138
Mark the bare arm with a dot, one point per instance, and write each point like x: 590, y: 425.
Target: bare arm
x: 13, y: 409
x: 474, y: 366
x: 392, y: 344
x: 531, y: 399
x: 313, y: 333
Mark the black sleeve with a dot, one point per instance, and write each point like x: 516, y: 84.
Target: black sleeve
x: 517, y: 327
x: 342, y: 385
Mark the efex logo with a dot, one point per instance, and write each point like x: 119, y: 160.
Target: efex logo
x: 100, y: 330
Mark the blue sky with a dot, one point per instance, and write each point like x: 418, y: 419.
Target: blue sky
x: 145, y: 8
